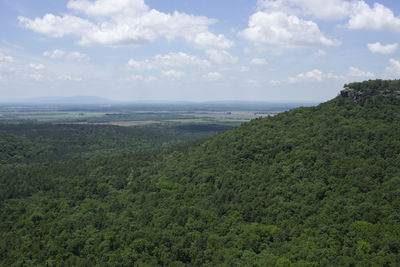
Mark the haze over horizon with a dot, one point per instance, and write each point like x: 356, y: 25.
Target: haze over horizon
x: 180, y: 50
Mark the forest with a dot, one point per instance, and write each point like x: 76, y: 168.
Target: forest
x: 313, y: 186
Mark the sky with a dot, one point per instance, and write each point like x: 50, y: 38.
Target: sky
x: 185, y: 50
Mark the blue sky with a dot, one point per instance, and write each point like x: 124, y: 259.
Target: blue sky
x: 153, y: 50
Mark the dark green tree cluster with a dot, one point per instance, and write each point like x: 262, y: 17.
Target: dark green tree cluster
x: 373, y: 87
x: 25, y: 143
x: 315, y: 186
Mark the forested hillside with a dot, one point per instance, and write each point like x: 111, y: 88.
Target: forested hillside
x: 26, y: 143
x: 315, y: 186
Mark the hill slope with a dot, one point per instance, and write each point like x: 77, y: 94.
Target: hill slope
x: 310, y: 187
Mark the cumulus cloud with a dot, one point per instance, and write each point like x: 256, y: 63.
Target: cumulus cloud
x: 316, y: 75
x: 208, y: 40
x: 54, y: 54
x: 259, y: 61
x: 379, y: 17
x: 55, y: 26
x: 109, y: 7
x: 379, y: 48
x: 221, y: 57
x: 77, y: 55
x: 280, y: 30
x: 37, y: 66
x: 357, y: 73
x: 213, y: 76
x: 393, y: 70
x: 74, y: 55
x: 312, y: 76
x: 274, y: 82
x: 326, y: 10
x: 169, y: 60
x: 5, y: 59
x: 360, y: 14
x: 173, y: 74
x: 139, y: 77
x: 6, y: 65
x: 126, y: 22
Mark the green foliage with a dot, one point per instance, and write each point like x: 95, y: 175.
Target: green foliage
x: 51, y: 142
x: 310, y: 187
x: 374, y: 86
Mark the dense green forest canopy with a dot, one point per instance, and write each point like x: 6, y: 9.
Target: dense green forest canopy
x: 316, y: 186
x: 26, y: 143
x: 374, y: 87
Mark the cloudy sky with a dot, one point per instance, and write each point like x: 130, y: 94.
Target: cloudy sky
x: 173, y: 50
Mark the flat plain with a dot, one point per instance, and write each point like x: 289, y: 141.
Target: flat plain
x: 143, y: 114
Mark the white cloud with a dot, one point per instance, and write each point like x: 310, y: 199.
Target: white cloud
x: 6, y: 65
x: 316, y: 75
x: 360, y: 14
x: 312, y: 76
x: 37, y: 66
x: 379, y: 17
x: 208, y: 40
x: 274, y: 82
x: 357, y: 73
x: 277, y: 29
x: 173, y: 74
x: 259, y: 61
x: 74, y: 55
x: 5, y: 59
x: 320, y: 53
x: 69, y: 78
x: 139, y: 64
x: 379, y: 48
x: 326, y: 10
x: 77, y: 56
x: 109, y: 7
x: 213, y: 76
x: 139, y: 77
x: 169, y: 60
x: 55, y: 26
x: 221, y: 57
x: 54, y: 54
x: 126, y: 22
x: 393, y: 70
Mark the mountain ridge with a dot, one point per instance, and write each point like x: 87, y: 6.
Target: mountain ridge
x: 313, y: 186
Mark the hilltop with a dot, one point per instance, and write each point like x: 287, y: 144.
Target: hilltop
x: 314, y: 186
x: 368, y: 89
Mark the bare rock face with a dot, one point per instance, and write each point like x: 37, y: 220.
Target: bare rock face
x: 357, y: 95
x: 351, y: 93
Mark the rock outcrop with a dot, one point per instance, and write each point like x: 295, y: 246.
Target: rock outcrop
x: 352, y: 93
x: 357, y: 95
